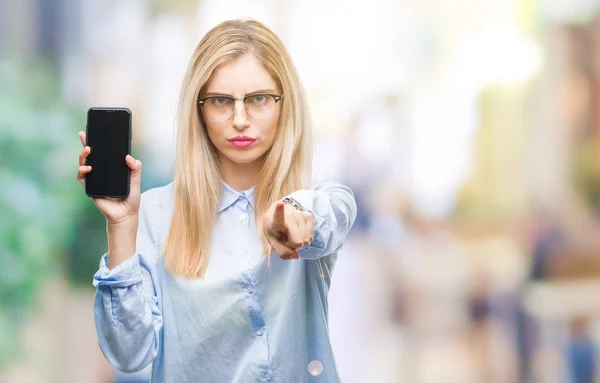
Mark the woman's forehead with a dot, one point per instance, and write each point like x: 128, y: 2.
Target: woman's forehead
x: 245, y: 74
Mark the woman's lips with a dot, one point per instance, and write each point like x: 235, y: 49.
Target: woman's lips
x: 242, y: 142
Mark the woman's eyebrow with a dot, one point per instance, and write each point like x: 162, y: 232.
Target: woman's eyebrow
x: 262, y: 91
x: 259, y: 91
x: 209, y: 94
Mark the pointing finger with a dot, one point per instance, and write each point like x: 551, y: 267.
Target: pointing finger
x: 279, y: 216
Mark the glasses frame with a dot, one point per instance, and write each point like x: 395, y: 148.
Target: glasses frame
x: 276, y: 97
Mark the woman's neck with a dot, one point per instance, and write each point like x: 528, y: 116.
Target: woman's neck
x: 240, y: 176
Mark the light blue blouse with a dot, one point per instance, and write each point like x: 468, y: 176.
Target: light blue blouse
x: 242, y: 322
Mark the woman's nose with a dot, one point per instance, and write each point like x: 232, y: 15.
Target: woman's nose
x: 240, y: 116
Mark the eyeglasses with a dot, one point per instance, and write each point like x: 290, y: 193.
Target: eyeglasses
x: 221, y: 108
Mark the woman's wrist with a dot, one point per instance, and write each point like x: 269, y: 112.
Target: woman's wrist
x: 121, y: 240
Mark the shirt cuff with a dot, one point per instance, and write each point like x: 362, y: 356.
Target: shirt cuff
x: 126, y: 274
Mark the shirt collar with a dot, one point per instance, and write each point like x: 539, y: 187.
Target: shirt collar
x: 229, y: 196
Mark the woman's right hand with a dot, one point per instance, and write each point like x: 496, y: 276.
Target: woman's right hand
x: 116, y: 210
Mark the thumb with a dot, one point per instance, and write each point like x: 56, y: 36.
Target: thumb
x: 279, y: 215
x: 136, y: 169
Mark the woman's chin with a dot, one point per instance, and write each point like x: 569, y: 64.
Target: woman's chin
x: 244, y: 157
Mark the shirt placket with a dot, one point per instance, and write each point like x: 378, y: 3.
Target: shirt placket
x: 255, y: 311
x: 259, y: 327
x: 244, y: 220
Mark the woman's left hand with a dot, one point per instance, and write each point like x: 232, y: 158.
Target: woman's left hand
x: 287, y: 229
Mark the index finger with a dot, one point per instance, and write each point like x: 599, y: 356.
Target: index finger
x: 82, y: 138
x: 279, y: 215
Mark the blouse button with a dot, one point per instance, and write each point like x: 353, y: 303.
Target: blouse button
x: 315, y: 368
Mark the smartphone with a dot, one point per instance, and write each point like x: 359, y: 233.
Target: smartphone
x: 108, y: 134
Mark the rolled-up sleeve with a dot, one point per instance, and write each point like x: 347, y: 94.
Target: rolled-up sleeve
x: 334, y: 211
x: 127, y: 302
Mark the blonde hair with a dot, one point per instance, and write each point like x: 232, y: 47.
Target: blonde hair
x: 197, y: 175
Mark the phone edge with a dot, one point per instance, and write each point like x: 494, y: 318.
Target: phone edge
x: 128, y: 148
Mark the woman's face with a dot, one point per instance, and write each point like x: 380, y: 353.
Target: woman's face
x: 250, y: 131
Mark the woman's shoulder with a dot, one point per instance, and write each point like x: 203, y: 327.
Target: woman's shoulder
x: 157, y: 205
x: 160, y: 196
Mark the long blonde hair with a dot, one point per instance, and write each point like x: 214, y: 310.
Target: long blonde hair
x: 197, y: 180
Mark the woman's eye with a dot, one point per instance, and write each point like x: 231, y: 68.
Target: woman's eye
x: 259, y: 99
x: 220, y: 101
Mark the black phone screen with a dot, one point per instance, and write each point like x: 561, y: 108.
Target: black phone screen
x: 109, y: 138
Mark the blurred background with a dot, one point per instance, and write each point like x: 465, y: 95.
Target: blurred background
x: 469, y: 131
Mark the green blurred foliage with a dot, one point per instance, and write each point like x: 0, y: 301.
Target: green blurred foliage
x: 42, y: 206
x: 88, y: 244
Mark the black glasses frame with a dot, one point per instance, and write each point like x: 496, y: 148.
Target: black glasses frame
x: 276, y: 97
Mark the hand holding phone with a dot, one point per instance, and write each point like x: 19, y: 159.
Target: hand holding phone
x: 111, y: 136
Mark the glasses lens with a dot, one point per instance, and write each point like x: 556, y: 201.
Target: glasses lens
x: 260, y: 106
x: 218, y: 109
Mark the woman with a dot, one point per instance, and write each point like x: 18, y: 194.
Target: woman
x: 227, y: 277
